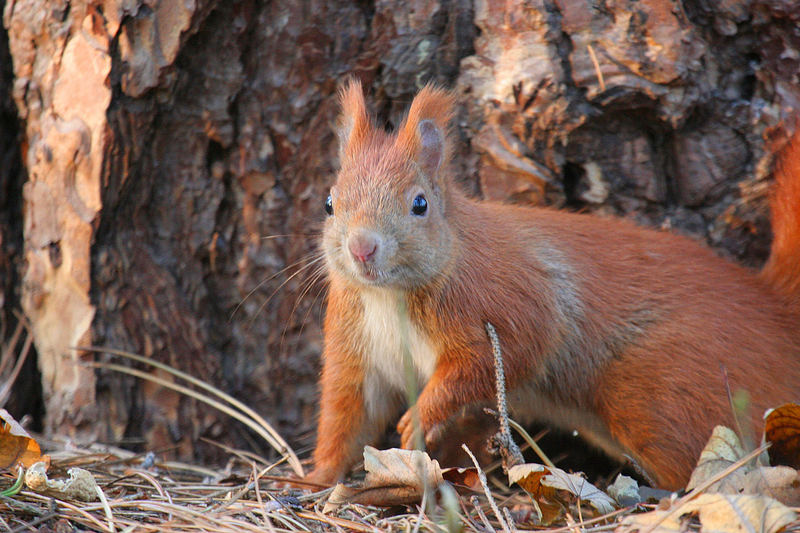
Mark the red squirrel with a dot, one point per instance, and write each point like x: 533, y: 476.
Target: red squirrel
x: 632, y: 336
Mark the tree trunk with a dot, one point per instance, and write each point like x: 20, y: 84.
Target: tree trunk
x: 27, y: 394
x: 178, y: 155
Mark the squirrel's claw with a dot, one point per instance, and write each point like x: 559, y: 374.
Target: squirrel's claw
x: 407, y: 429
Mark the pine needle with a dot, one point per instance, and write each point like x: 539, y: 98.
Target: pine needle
x: 238, y: 410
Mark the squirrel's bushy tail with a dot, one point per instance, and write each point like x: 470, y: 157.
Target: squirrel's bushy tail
x: 782, y: 270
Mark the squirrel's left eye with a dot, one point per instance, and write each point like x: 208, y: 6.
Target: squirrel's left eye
x: 419, y: 206
x: 329, y: 205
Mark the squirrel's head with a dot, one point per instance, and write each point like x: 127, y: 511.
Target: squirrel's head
x: 387, y: 213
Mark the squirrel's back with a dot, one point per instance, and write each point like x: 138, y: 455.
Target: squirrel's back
x: 636, y: 336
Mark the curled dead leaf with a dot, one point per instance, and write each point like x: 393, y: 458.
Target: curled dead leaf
x: 724, y: 449
x: 394, y: 477
x: 80, y: 485
x: 719, y: 513
x: 16, y: 445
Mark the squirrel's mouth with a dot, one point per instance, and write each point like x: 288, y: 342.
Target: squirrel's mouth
x: 370, y: 274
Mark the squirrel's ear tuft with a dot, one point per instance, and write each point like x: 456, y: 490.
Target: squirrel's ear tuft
x: 431, y: 149
x: 354, y: 123
x: 423, y: 134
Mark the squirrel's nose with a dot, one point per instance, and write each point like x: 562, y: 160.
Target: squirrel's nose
x: 363, y: 246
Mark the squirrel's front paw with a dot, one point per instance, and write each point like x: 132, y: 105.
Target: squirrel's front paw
x: 324, y: 476
x: 408, y: 427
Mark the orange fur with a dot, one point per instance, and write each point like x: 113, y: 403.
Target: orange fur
x: 354, y: 123
x: 621, y: 332
x: 433, y: 104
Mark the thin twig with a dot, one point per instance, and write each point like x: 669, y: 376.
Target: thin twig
x: 243, y: 414
x: 593, y: 521
x: 106, y: 508
x: 30, y: 525
x: 486, y: 490
x: 509, y: 519
x: 532, y: 443
x: 23, y: 355
x: 476, y: 504
x: 509, y: 449
x: 422, y: 504
x: 10, y: 345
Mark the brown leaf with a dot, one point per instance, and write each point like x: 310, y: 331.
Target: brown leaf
x: 529, y: 477
x: 724, y: 449
x: 716, y: 513
x: 16, y: 446
x: 782, y: 429
x: 394, y: 477
x: 552, y: 487
x: 462, y: 477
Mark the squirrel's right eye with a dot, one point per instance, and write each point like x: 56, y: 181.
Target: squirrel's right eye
x: 329, y: 205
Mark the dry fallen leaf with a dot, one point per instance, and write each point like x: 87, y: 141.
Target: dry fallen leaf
x: 782, y: 429
x: 462, y: 477
x: 714, y: 513
x: 394, y: 477
x: 549, y: 505
x: 16, y: 446
x: 722, y: 450
x: 81, y: 485
x: 779, y: 482
x: 552, y: 487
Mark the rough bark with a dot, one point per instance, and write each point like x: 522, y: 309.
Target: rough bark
x: 26, y: 392
x: 178, y: 154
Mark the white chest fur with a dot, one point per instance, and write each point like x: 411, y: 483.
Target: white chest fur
x: 389, y: 338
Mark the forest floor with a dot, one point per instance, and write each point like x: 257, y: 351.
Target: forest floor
x: 96, y: 487
x: 139, y: 493
x: 119, y: 491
